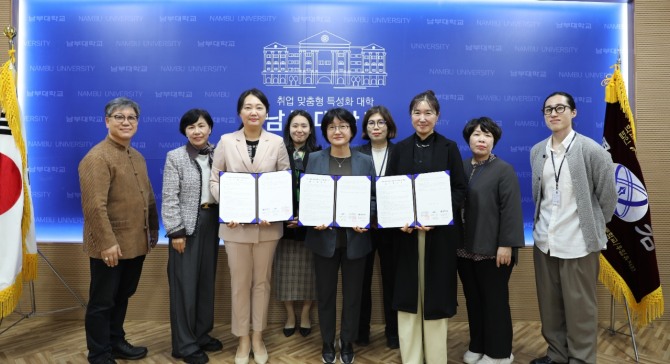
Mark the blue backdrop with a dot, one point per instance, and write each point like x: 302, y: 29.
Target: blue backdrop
x: 499, y: 59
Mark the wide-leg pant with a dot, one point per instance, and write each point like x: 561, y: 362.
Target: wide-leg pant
x: 250, y: 276
x: 422, y: 339
x: 485, y: 287
x: 191, y: 276
x: 566, y: 294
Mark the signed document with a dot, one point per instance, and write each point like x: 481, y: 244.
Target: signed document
x: 352, y: 201
x: 395, y: 201
x: 432, y: 192
x: 275, y: 196
x: 316, y: 200
x: 337, y: 201
x: 249, y: 198
x: 237, y: 197
x: 414, y: 200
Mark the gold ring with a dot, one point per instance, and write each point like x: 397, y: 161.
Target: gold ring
x: 106, y: 259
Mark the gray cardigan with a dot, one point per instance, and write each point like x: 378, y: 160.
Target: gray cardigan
x: 592, y: 171
x: 182, y: 191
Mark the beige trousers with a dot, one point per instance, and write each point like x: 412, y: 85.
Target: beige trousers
x: 419, y: 337
x: 250, y: 276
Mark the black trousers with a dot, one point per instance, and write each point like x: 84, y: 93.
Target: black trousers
x: 486, y: 291
x: 383, y: 245
x: 191, y: 276
x: 109, y: 292
x: 327, y: 272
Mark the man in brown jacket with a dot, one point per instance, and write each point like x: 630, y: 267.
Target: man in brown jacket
x: 120, y: 228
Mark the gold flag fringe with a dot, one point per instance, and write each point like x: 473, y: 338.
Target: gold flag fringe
x: 9, y: 297
x: 615, y: 91
x: 29, y: 267
x: 643, y: 312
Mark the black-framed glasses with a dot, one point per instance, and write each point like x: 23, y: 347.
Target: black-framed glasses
x: 559, y: 109
x: 379, y: 123
x: 121, y: 118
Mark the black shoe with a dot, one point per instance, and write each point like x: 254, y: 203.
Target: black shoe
x: 289, y: 331
x: 346, y: 353
x: 105, y: 360
x: 212, y: 345
x: 199, y: 357
x: 123, y: 350
x: 305, y: 331
x: 544, y: 360
x: 392, y: 342
x: 363, y: 339
x: 328, y: 353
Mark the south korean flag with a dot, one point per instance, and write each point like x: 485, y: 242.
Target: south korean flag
x: 11, y: 212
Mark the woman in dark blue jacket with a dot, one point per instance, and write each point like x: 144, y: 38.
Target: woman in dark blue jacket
x: 336, y: 248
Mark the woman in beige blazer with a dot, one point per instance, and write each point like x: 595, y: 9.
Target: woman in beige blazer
x: 250, y: 247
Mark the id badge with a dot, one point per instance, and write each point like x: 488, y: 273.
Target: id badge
x: 556, y: 198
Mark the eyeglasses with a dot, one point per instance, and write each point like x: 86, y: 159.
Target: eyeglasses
x: 121, y: 118
x: 559, y: 109
x: 342, y: 128
x: 378, y: 123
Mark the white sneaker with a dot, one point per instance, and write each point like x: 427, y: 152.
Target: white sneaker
x: 489, y: 360
x: 471, y: 358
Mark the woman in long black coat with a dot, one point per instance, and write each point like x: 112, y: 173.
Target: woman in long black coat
x: 425, y: 301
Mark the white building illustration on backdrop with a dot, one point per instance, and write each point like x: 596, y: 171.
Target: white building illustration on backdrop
x: 324, y: 59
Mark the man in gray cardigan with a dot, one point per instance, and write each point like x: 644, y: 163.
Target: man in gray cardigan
x: 575, y: 196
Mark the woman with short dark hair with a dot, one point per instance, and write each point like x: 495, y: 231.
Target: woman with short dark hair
x: 190, y: 217
x: 493, y: 232
x: 339, y: 248
x: 379, y: 128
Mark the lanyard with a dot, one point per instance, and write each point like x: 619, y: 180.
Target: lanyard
x: 381, y: 169
x: 558, y: 175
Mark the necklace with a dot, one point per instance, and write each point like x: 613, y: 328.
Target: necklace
x: 339, y: 163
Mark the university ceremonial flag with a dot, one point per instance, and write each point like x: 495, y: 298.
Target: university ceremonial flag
x: 18, y: 250
x: 628, y: 266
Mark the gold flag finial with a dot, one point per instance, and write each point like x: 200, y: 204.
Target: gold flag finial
x: 10, y: 33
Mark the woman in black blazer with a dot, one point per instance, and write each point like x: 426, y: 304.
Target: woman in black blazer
x: 425, y: 302
x: 336, y: 248
x: 379, y: 128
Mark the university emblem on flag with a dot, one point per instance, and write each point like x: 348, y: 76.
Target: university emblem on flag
x: 633, y: 201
